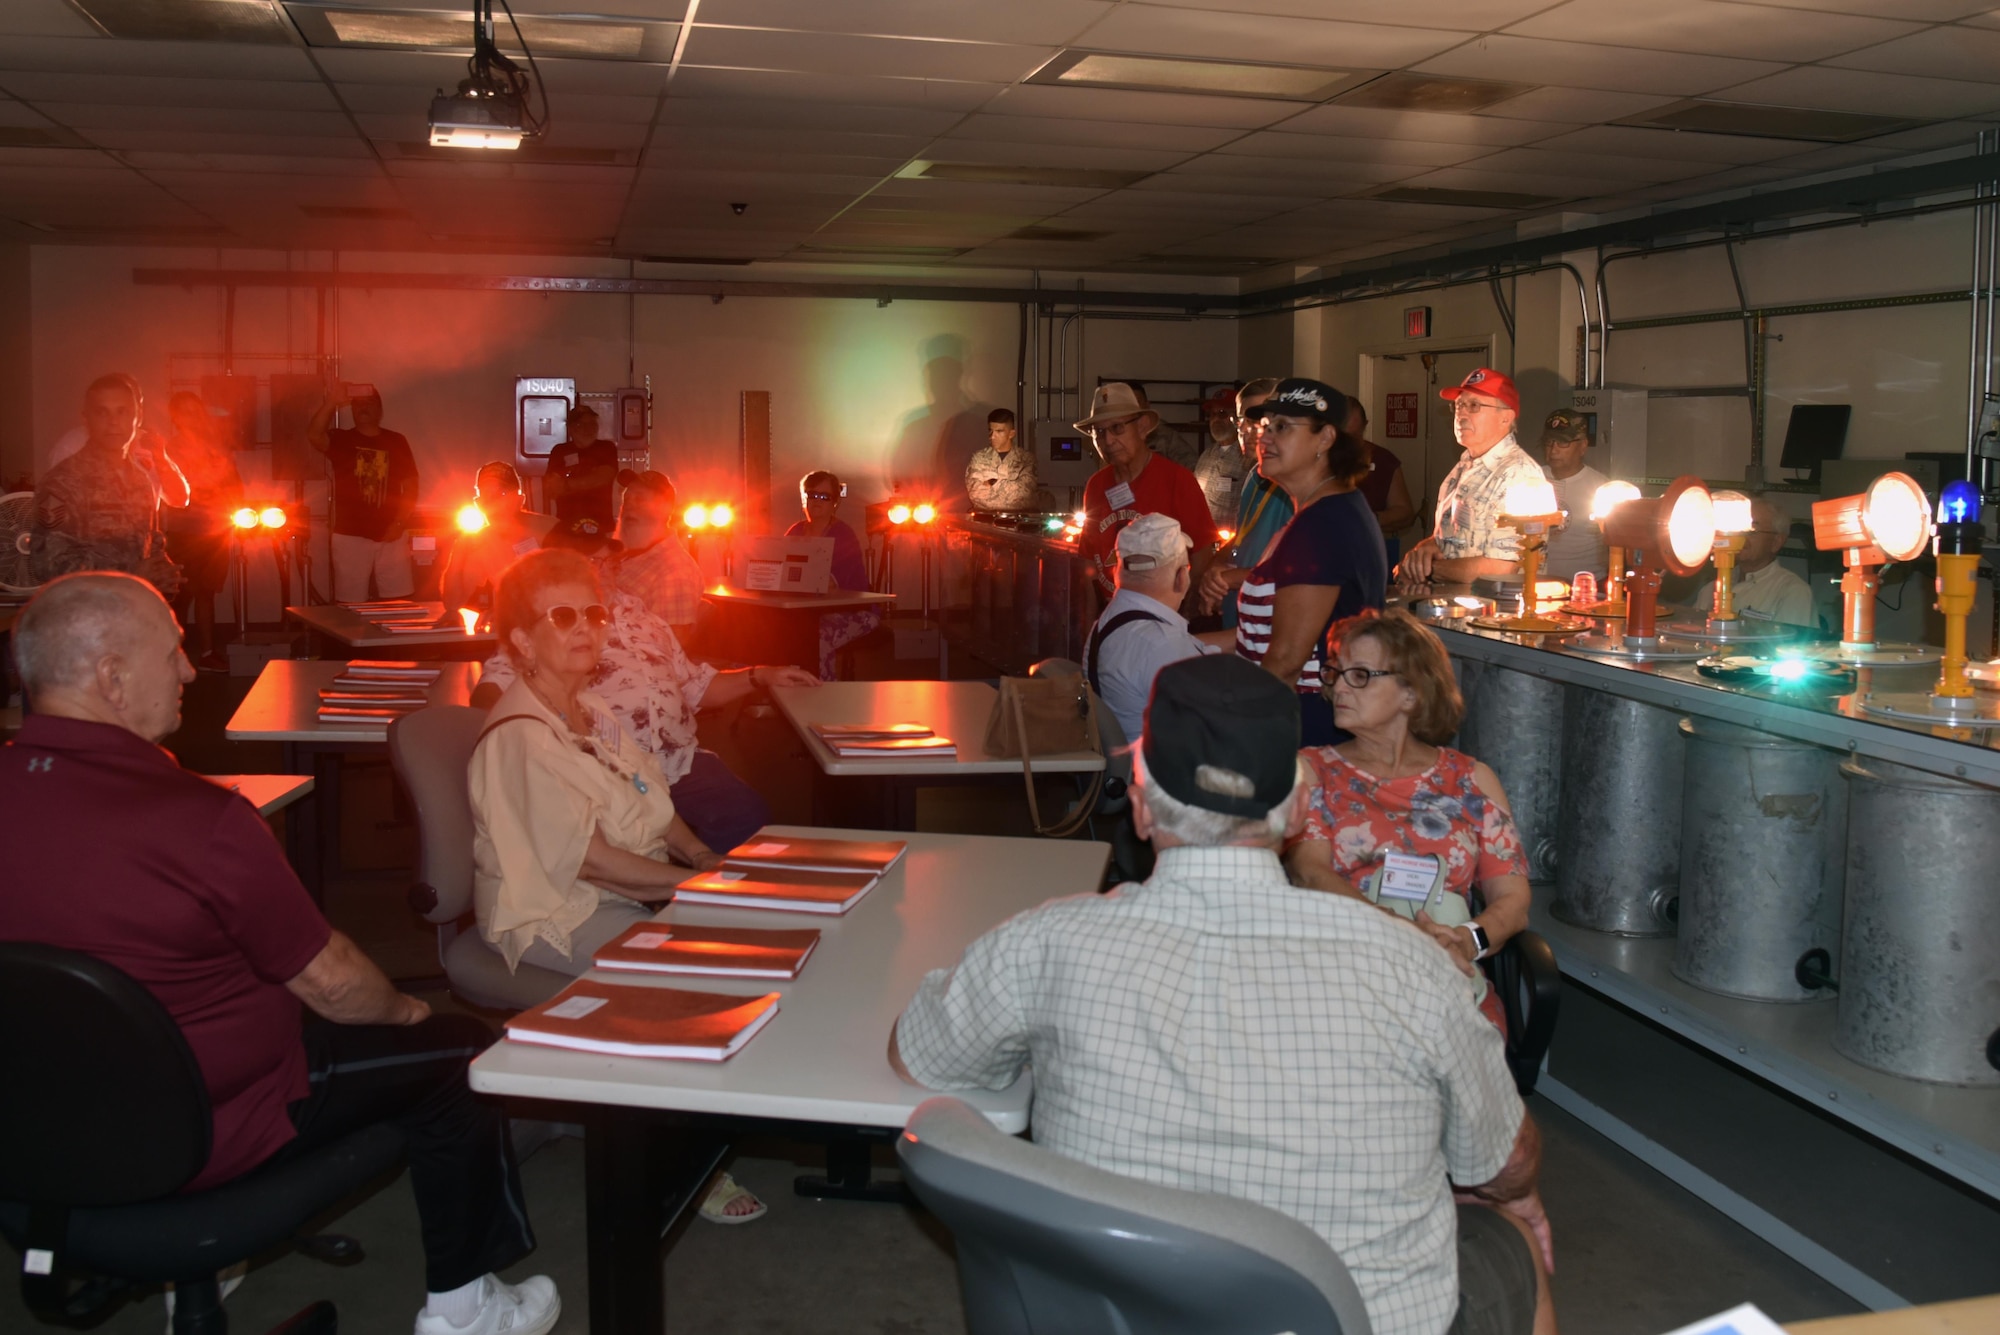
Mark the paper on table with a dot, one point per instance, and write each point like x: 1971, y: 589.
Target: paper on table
x: 1744, y: 1320
x: 624, y: 1021
x: 807, y: 853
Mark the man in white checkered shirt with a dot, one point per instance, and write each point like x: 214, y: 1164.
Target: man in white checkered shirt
x: 1218, y: 1029
x: 1469, y: 539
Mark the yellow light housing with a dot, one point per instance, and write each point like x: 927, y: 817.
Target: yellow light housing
x: 1732, y: 512
x: 1527, y: 500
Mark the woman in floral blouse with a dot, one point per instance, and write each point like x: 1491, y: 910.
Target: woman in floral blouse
x: 1459, y: 873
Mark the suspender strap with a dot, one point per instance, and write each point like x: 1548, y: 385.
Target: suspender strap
x: 1098, y: 636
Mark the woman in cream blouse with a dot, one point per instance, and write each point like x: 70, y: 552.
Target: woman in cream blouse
x: 573, y: 823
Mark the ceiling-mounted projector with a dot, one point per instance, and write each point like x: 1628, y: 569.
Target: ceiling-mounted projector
x: 491, y: 107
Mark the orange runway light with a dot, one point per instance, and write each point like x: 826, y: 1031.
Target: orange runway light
x: 720, y: 516
x: 471, y: 519
x: 244, y: 518
x: 272, y: 516
x: 899, y: 514
x: 924, y: 514
x: 1672, y: 533
x: 1888, y: 522
x: 695, y: 516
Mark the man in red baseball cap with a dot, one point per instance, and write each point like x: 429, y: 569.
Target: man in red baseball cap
x: 1469, y: 539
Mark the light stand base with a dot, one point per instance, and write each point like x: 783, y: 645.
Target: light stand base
x: 1740, y: 631
x: 1874, y: 655
x: 1610, y: 607
x: 1531, y: 625
x: 1657, y: 650
x: 1972, y: 711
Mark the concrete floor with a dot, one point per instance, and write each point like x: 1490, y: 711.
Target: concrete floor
x: 1635, y: 1253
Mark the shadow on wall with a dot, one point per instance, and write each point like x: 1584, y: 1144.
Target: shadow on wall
x: 937, y: 441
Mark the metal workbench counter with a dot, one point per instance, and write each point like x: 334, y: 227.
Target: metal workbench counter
x: 1013, y: 598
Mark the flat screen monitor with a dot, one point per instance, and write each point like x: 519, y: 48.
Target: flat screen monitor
x: 1816, y: 432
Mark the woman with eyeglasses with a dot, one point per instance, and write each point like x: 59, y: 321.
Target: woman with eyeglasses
x: 820, y: 493
x: 1396, y: 817
x: 1327, y: 562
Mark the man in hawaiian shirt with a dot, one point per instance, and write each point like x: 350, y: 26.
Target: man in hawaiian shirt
x: 1470, y: 539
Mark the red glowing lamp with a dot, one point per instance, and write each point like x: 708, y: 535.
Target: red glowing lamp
x: 1674, y: 532
x: 471, y: 519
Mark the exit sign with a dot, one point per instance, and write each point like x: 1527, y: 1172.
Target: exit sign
x: 1417, y: 322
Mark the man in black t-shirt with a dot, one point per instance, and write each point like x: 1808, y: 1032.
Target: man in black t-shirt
x: 374, y: 492
x: 582, y: 472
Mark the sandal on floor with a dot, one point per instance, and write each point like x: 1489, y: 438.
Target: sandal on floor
x: 727, y: 1192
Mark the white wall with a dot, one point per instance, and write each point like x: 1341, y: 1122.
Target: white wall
x: 857, y: 387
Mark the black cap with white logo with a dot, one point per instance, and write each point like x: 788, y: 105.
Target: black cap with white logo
x: 1300, y: 397
x: 1222, y: 734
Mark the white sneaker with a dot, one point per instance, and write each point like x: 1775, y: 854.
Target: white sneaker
x: 528, y: 1308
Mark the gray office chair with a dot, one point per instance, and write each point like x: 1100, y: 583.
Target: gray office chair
x: 1049, y: 1246
x: 430, y: 750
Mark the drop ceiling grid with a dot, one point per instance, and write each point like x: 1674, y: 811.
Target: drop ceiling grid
x: 943, y: 81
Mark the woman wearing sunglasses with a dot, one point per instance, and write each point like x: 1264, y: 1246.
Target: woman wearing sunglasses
x: 1396, y: 817
x: 820, y: 493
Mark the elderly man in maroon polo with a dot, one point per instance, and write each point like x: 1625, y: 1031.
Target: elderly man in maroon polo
x: 115, y: 850
x: 1470, y: 539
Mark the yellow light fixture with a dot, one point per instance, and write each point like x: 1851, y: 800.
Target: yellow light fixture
x: 1957, y: 548
x: 1733, y: 521
x: 1532, y: 509
x: 1602, y: 502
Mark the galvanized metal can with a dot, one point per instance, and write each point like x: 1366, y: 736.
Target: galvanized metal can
x: 1514, y: 722
x: 1920, y: 973
x: 1618, y: 839
x: 1763, y: 861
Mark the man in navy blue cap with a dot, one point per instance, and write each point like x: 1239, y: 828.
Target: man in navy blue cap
x: 1218, y: 1029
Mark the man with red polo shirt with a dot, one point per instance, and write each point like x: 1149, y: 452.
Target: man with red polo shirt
x: 1134, y: 481
x: 1471, y: 539
x: 116, y: 851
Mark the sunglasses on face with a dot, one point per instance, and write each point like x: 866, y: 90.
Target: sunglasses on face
x: 564, y: 618
x: 821, y: 496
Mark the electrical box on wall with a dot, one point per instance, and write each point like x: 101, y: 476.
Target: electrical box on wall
x: 541, y: 419
x: 1064, y: 460
x: 1617, y: 429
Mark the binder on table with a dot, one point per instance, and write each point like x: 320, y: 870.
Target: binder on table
x: 626, y: 1021
x: 726, y: 952
x: 765, y: 850
x: 746, y: 886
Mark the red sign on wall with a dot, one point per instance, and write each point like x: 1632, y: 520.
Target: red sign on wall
x: 1401, y: 410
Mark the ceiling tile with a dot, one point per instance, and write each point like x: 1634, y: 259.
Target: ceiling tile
x: 1585, y: 65
x: 141, y: 138
x: 1103, y: 134
x: 1707, y: 27
x: 1344, y: 148
x: 699, y: 115
x: 43, y: 18
x: 1553, y: 184
x: 1649, y: 143
x: 1575, y: 105
x: 204, y: 60
x: 1427, y: 126
x: 1296, y: 176
x: 1033, y: 22
x: 844, y: 54
x: 1923, y: 10
x: 831, y: 90
x: 200, y: 120
x: 1049, y: 155
x: 1590, y: 170
x: 1871, y: 93
x: 1115, y: 104
x: 788, y: 140
x: 1157, y: 30
x: 1273, y: 191
x: 348, y: 169
x: 1467, y: 15
x: 1942, y: 53
x: 142, y: 91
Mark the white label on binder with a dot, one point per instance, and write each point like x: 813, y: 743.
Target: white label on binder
x: 577, y: 1007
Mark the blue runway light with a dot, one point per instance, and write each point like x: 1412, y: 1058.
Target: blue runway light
x: 1958, y: 503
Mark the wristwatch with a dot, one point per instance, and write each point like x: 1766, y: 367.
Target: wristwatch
x: 1482, y: 946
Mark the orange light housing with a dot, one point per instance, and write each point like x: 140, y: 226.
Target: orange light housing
x: 695, y: 516
x: 924, y: 514
x: 244, y: 518
x: 1670, y: 533
x: 899, y: 514
x: 471, y: 519
x: 720, y: 516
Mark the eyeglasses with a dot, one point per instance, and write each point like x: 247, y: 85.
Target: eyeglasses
x: 1357, y: 678
x: 564, y: 618
x: 1465, y: 407
x: 821, y: 496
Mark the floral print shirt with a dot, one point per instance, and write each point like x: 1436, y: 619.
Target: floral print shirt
x: 647, y: 679
x: 1472, y: 501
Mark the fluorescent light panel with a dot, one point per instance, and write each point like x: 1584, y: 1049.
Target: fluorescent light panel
x: 186, y: 20
x: 1432, y: 92
x: 1224, y: 78
x: 451, y: 30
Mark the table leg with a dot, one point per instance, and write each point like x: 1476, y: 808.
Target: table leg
x: 640, y: 1174
x: 850, y: 1176
x: 302, y: 827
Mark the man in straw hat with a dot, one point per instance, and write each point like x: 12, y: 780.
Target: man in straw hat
x: 1134, y: 481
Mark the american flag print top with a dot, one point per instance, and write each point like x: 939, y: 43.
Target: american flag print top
x: 1256, y: 602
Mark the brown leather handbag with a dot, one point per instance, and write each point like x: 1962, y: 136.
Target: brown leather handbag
x: 1045, y: 716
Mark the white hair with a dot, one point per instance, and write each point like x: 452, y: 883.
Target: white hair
x: 70, y: 624
x: 1191, y: 824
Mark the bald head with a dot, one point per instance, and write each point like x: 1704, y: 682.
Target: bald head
x: 1770, y: 526
x: 102, y: 647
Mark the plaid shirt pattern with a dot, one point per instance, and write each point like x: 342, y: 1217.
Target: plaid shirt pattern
x: 1218, y: 1029
x: 666, y: 579
x: 1472, y: 498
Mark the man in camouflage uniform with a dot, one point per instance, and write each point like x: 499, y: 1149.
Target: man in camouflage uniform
x: 97, y: 510
x: 1002, y: 476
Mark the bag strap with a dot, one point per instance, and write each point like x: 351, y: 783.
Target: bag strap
x: 1095, y: 644
x: 1087, y: 806
x: 494, y: 723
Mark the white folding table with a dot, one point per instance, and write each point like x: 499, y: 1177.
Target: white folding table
x: 654, y: 1129
x: 352, y: 630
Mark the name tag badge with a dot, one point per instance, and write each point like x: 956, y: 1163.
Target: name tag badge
x: 1410, y: 877
x: 526, y: 545
x: 1120, y: 497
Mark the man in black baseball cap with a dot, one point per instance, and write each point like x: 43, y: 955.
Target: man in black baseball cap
x: 1217, y: 1028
